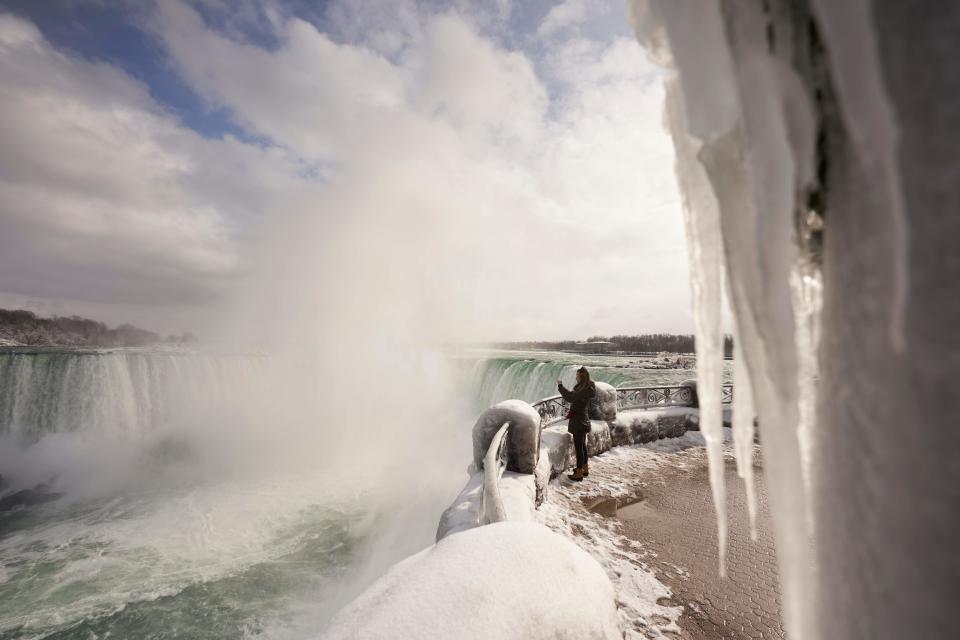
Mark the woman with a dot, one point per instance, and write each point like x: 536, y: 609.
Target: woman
x: 579, y: 425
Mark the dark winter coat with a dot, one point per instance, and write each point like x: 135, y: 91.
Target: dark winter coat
x: 579, y: 399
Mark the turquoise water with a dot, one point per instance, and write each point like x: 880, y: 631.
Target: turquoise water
x: 66, y: 579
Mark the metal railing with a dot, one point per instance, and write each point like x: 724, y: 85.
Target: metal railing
x: 555, y: 408
x: 491, y: 502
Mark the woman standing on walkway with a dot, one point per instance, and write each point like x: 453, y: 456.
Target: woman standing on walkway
x: 579, y: 425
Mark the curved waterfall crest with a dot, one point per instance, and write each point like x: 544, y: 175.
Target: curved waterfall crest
x: 530, y: 377
x: 112, y: 392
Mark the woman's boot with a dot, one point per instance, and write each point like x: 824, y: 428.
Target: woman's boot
x: 577, y: 475
x: 585, y: 469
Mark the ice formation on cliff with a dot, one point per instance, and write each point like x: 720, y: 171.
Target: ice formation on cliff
x: 746, y: 110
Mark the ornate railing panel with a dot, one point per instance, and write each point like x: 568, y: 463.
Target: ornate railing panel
x: 654, y: 397
x: 552, y: 409
x: 727, y: 397
x: 555, y: 408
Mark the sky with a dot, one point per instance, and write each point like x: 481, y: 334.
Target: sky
x: 465, y: 171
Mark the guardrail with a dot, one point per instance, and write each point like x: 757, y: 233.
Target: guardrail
x: 555, y: 408
x: 491, y: 503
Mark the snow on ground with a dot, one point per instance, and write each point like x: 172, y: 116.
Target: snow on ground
x: 612, y: 475
x: 508, y: 580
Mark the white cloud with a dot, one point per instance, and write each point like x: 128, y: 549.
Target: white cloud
x: 468, y: 198
x: 95, y: 193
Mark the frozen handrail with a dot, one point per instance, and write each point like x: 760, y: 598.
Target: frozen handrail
x: 491, y: 503
x: 555, y: 408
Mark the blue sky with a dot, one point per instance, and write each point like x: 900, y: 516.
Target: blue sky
x: 170, y: 163
x: 115, y: 33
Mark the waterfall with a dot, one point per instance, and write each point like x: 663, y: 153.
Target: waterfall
x: 533, y: 376
x: 112, y: 392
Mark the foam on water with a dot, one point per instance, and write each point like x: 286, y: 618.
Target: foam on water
x: 133, y: 564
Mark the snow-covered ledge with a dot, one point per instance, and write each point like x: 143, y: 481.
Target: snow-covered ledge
x: 521, y: 492
x: 515, y: 489
x: 507, y: 580
x: 510, y: 578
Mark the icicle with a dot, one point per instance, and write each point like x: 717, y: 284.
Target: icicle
x: 702, y: 225
x: 743, y: 430
x: 806, y: 289
x: 748, y: 156
x: 692, y: 122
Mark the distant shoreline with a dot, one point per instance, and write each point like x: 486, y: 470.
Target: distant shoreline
x: 22, y: 328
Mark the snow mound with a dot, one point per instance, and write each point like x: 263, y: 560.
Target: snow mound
x: 603, y: 406
x: 504, y: 580
x: 523, y: 441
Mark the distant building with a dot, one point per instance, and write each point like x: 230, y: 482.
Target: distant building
x: 593, y: 347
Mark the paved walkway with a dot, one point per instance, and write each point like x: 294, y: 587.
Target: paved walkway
x: 676, y: 520
x: 669, y: 516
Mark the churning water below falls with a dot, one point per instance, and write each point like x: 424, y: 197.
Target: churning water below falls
x: 142, y: 497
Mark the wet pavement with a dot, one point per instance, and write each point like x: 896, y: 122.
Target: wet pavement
x: 675, y: 520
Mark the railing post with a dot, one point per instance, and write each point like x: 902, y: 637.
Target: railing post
x: 491, y: 502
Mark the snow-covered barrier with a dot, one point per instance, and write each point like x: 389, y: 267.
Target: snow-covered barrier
x: 603, y: 406
x: 557, y: 453
x: 637, y: 427
x: 692, y: 384
x: 556, y: 448
x: 633, y: 426
x: 464, y: 513
x: 520, y: 494
x: 523, y: 440
x: 506, y: 580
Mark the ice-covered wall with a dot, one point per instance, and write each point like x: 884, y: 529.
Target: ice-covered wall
x: 816, y: 149
x: 887, y: 455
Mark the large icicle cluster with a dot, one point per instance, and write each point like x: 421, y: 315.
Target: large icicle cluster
x: 745, y: 130
x: 706, y: 267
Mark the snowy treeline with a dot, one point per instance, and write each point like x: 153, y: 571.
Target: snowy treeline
x: 645, y: 343
x: 24, y: 328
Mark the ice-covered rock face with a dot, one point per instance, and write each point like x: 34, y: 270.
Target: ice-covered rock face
x: 504, y: 580
x: 603, y: 406
x: 809, y: 133
x: 523, y: 440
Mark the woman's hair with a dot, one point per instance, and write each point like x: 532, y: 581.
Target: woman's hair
x: 586, y: 376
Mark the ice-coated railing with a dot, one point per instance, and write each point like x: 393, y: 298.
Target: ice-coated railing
x: 491, y: 503
x: 555, y: 408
